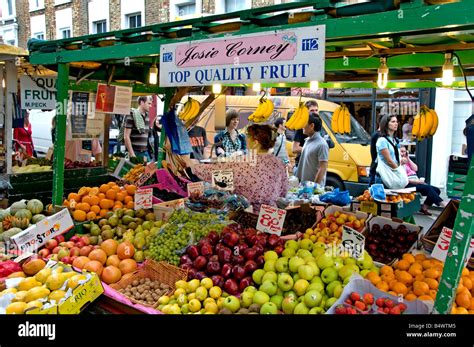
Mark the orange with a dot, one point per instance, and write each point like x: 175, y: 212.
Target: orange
x: 127, y: 266
x: 113, y: 260
x: 103, y: 212
x: 66, y: 203
x: 106, y: 204
x: 375, y: 279
x: 433, y: 293
x: 386, y: 270
x: 87, y: 200
x: 425, y: 297
x: 131, y: 189
x: 109, y: 246
x: 130, y: 204
x: 74, y: 196
x: 84, y: 206
x: 79, y: 216
x: 101, y: 196
x: 392, y: 284
x: 118, y: 204
x: 461, y: 310
x: 420, y: 288
x: 463, y: 300
x: 104, y: 188
x: 432, y: 283
x: 410, y: 297
x: 400, y: 288
x: 472, y: 304
x: 409, y: 258
x: 466, y: 282
x: 116, y: 188
x: 111, y: 194
x: 415, y: 269
x: 94, y: 266
x: 125, y: 250
x: 388, y: 277
x: 91, y: 215
x: 94, y: 191
x: 383, y: 286
x: 465, y: 272
x: 121, y: 196
x: 95, y: 209
x: 420, y: 257
x: 393, y: 293
x: 83, y: 191
x: 461, y: 289
x: 427, y: 264
x: 111, y: 274
x: 403, y: 264
x: 420, y: 278
x: 431, y: 273
x: 99, y: 255
x: 127, y: 199
x: 94, y: 200
x: 405, y: 277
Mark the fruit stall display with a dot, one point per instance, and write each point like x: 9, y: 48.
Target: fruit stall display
x: 19, y: 216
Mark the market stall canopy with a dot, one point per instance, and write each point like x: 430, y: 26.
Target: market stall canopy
x: 8, y: 52
x: 413, y: 35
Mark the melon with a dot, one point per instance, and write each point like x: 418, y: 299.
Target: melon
x: 21, y: 223
x: 17, y: 206
x: 3, y: 214
x: 24, y: 213
x: 9, y: 233
x: 35, y: 206
x: 38, y: 217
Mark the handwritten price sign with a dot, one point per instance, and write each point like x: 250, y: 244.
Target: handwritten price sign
x: 271, y: 220
x: 223, y: 179
x: 440, y: 250
x: 353, y: 241
x: 196, y: 188
x: 150, y: 170
x: 144, y: 198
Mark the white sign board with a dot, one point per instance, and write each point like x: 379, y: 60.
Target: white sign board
x: 295, y: 55
x: 353, y: 241
x: 150, y: 170
x: 223, y: 180
x: 196, y: 188
x: 144, y: 198
x: 442, y: 245
x: 38, y: 92
x: 36, y: 236
x: 271, y: 220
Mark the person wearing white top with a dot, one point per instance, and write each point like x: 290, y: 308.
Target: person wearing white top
x: 279, y: 150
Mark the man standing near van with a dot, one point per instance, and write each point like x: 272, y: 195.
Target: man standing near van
x: 298, y: 140
x: 315, y: 154
x: 137, y: 127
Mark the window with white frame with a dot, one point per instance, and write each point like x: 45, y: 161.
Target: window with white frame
x: 9, y: 8
x: 186, y: 9
x: 60, y: 2
x: 65, y: 33
x: 134, y: 20
x: 234, y: 5
x: 36, y: 5
x: 11, y: 42
x: 100, y: 26
x: 39, y: 36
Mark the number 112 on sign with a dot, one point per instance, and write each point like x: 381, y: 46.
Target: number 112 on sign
x: 271, y: 220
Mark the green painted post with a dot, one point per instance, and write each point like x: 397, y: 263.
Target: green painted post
x: 59, y: 145
x: 161, y: 153
x: 458, y: 248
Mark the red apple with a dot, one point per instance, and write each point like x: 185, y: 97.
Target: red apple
x: 70, y: 244
x: 44, y: 253
x: 192, y: 273
x: 224, y: 254
x: 193, y: 251
x: 200, y: 275
x: 245, y: 282
x: 218, y: 281
x: 213, y: 267
x: 200, y: 262
x: 66, y: 260
x: 56, y: 250
x: 226, y: 270
x: 80, y: 244
x: 63, y: 244
x: 206, y: 250
x: 84, y: 251
x: 86, y: 240
x: 51, y: 244
x: 63, y: 252
x: 250, y: 266
x: 75, y: 238
x: 231, y: 287
x: 60, y: 238
x: 250, y: 254
x: 185, y: 259
x: 238, y: 272
x: 74, y: 251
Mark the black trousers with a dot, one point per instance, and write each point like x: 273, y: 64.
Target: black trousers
x: 431, y: 193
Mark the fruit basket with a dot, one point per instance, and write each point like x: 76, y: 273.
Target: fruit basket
x: 162, y: 272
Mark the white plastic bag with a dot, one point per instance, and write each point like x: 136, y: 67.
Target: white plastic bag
x: 392, y: 178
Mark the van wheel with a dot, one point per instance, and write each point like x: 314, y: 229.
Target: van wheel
x: 335, y: 182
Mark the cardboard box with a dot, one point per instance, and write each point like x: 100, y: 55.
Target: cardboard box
x: 333, y: 208
x: 164, y: 210
x: 388, y: 209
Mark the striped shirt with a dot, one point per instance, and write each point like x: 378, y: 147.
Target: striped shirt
x: 139, y: 140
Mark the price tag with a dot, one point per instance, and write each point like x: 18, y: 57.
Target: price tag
x: 442, y: 245
x: 144, y: 198
x: 353, y: 241
x: 150, y: 170
x: 196, y: 188
x: 223, y: 180
x: 369, y: 207
x: 400, y: 204
x: 271, y: 220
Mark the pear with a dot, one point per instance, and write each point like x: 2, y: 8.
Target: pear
x: 43, y: 275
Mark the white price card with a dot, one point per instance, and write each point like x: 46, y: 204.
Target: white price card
x: 196, y: 188
x: 223, y: 180
x: 440, y: 250
x: 271, y: 220
x: 150, y: 170
x: 353, y: 242
x: 144, y: 198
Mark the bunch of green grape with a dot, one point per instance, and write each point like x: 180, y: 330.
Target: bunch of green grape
x: 182, y: 229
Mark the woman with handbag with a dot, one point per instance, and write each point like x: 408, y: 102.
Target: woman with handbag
x: 389, y: 162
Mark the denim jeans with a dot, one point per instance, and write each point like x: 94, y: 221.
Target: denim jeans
x: 143, y: 155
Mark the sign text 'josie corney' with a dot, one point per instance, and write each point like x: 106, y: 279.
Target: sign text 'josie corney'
x: 295, y: 55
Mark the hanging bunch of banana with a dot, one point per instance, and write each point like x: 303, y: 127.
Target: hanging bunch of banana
x: 341, y: 120
x: 425, y: 123
x: 300, y: 118
x: 190, y: 110
x: 263, y: 111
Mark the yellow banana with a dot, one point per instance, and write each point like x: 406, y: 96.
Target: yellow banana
x: 196, y: 106
x: 428, y: 121
x: 334, y: 120
x: 259, y: 113
x: 416, y: 126
x: 340, y: 120
x: 435, y: 123
x: 421, y: 133
x: 291, y: 122
x: 185, y: 110
x: 303, y: 118
x: 270, y: 108
x: 347, y: 121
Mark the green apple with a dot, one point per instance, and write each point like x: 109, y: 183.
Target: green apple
x: 269, y: 287
x: 347, y: 271
x: 257, y: 276
x: 337, y: 291
x: 375, y: 269
x: 324, y: 261
x: 301, y: 309
x: 201, y: 293
x: 306, y: 244
x: 251, y: 289
x: 246, y: 299
x: 316, y: 286
x: 269, y: 308
x: 288, y: 252
x: 317, y: 279
x: 317, y: 251
x: 269, y: 265
x: 303, y: 253
x: 270, y: 255
x: 366, y: 263
x: 279, y: 291
x: 364, y: 273
x: 346, y: 280
x: 329, y: 303
x: 260, y: 298
x: 185, y: 309
x: 319, y: 244
x: 306, y: 272
x: 290, y: 293
x: 294, y: 263
x: 182, y: 299
x: 193, y: 285
x: 277, y: 300
x: 231, y: 303
x: 296, y: 277
x: 309, y: 258
x: 315, y: 267
x: 281, y: 264
x: 300, y: 287
x: 206, y: 282
x: 350, y: 260
x: 270, y: 276
x: 288, y: 304
x: 292, y: 244
x: 316, y: 310
x: 312, y: 298
x: 329, y: 275
x: 338, y: 263
x: 330, y: 287
x: 285, y: 282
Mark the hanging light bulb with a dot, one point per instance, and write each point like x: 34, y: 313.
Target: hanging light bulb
x: 153, y: 75
x: 216, y: 88
x: 314, y: 86
x: 448, y: 70
x: 256, y: 87
x: 3, y: 83
x: 382, y: 79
